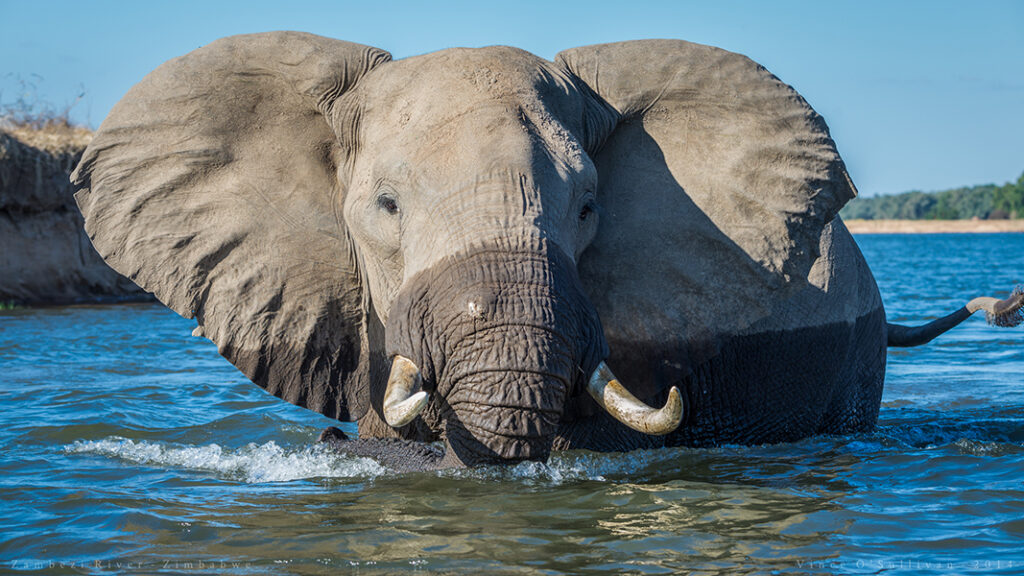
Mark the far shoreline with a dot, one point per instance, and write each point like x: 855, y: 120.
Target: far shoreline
x: 934, y: 226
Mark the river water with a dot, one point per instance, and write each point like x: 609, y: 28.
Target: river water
x: 128, y: 446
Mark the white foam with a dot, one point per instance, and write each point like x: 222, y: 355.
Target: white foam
x: 567, y: 467
x: 554, y: 471
x: 253, y: 463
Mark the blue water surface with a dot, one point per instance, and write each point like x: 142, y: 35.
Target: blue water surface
x: 129, y: 446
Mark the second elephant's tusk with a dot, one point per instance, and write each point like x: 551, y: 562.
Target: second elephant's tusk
x: 401, y: 405
x: 626, y: 408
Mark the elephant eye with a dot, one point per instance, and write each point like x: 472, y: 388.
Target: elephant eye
x: 387, y: 204
x: 586, y: 211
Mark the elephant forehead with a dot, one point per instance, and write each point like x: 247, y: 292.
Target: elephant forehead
x: 469, y: 112
x: 478, y: 146
x: 441, y: 87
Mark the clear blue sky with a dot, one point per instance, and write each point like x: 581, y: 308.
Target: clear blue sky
x: 919, y: 95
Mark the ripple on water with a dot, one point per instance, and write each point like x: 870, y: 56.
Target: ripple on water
x: 122, y: 438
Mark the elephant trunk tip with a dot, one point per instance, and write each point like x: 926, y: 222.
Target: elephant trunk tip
x: 1006, y: 313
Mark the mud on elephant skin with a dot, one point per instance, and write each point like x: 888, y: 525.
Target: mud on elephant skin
x: 416, y: 244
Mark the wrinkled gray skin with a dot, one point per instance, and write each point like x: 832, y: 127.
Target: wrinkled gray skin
x: 318, y: 208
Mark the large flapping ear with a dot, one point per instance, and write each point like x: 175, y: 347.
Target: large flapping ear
x: 716, y: 181
x: 213, y: 184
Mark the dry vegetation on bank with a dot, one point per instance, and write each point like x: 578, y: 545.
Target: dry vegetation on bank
x: 45, y: 255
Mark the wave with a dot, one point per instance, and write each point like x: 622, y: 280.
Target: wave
x: 269, y: 462
x: 254, y: 463
x: 573, y: 466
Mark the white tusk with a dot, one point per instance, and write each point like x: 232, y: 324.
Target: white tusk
x: 626, y: 408
x: 400, y: 404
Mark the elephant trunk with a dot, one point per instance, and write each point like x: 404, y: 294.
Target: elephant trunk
x: 502, y: 337
x: 503, y: 395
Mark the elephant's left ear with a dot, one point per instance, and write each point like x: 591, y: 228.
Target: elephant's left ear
x: 716, y: 181
x: 213, y: 184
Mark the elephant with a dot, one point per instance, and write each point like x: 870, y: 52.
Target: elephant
x: 457, y: 249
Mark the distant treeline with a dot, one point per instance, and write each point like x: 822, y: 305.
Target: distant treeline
x: 987, y: 201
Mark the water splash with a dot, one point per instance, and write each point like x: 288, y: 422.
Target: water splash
x: 254, y: 463
x: 571, y: 467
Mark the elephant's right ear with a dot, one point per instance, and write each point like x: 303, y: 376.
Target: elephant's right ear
x: 213, y: 184
x: 716, y: 171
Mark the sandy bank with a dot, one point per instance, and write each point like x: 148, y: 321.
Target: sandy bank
x: 933, y: 226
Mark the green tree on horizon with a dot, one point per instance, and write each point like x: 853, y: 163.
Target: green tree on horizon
x: 984, y: 202
x: 1010, y: 198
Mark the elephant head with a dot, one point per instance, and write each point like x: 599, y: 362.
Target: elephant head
x: 417, y: 241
